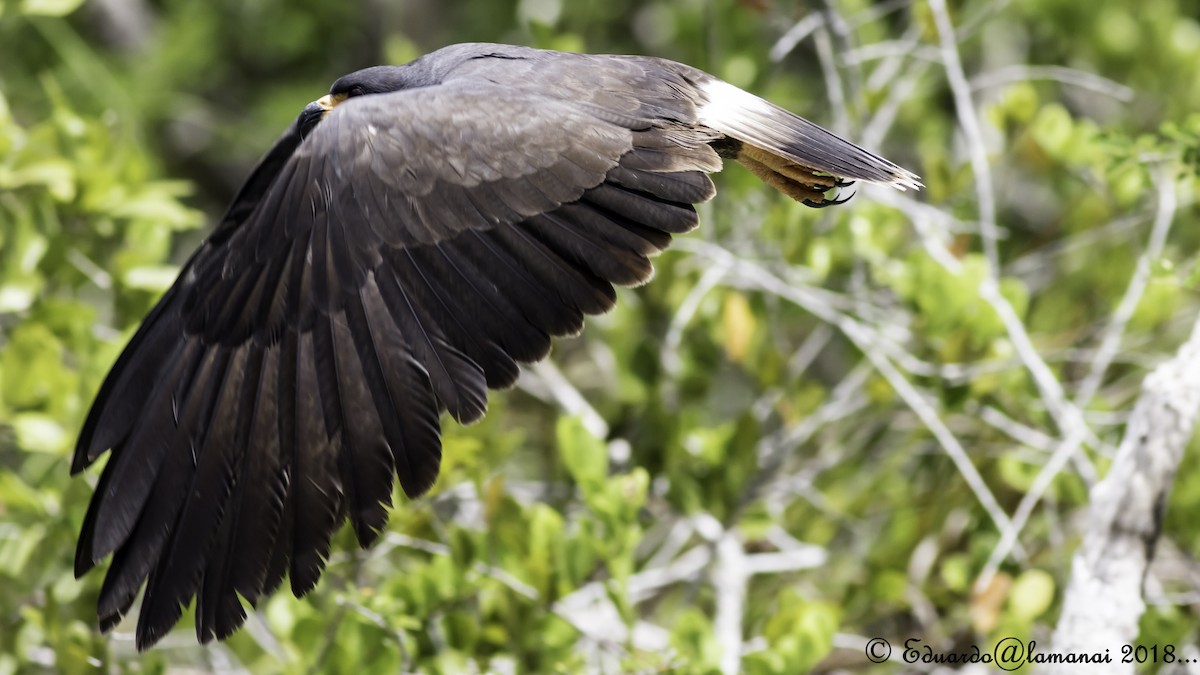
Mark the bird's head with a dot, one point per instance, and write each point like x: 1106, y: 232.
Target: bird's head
x: 375, y: 80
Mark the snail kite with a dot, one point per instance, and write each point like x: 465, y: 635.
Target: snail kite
x: 409, y: 240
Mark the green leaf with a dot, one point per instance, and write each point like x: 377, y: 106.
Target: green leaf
x: 40, y: 433
x: 57, y: 176
x: 1032, y: 594
x: 585, y: 456
x: 1052, y: 128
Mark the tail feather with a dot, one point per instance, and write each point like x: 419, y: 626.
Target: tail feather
x: 787, y: 151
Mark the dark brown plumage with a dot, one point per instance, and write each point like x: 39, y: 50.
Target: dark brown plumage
x: 407, y: 242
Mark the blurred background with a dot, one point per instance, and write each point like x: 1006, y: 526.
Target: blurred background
x: 813, y: 428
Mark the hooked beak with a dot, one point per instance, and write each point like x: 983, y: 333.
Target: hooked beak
x: 330, y: 101
x: 316, y: 111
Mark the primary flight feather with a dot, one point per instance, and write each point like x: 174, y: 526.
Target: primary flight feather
x: 408, y: 241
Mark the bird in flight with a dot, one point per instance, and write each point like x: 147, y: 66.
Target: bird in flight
x: 409, y: 240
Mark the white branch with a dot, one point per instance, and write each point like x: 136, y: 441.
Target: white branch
x: 729, y: 577
x: 833, y: 81
x: 791, y: 560
x: 669, y: 354
x: 1072, y: 76
x: 795, y: 35
x: 1111, y: 340
x: 972, y: 130
x: 569, y: 398
x: 1021, y: 433
x: 1103, y: 602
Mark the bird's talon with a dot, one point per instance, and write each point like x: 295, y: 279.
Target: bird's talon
x: 826, y: 203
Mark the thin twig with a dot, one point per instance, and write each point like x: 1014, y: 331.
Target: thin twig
x: 899, y: 92
x: 795, y: 35
x: 968, y: 119
x: 1111, y: 340
x: 839, y: 29
x: 669, y: 354
x: 1021, y: 433
x: 569, y: 398
x: 1071, y: 76
x: 888, y: 49
x: 833, y: 82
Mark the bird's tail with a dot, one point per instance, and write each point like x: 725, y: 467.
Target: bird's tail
x: 788, y: 152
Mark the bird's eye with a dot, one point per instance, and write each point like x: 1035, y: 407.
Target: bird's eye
x: 356, y: 90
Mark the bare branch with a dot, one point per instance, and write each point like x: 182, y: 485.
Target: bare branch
x: 1071, y: 76
x: 786, y: 561
x: 569, y: 398
x: 888, y: 49
x: 1020, y: 433
x: 833, y: 81
x: 96, y: 274
x: 795, y: 35
x: 900, y: 91
x: 1111, y: 340
x: 1103, y: 602
x: 972, y: 130
x: 729, y: 577
x: 669, y: 354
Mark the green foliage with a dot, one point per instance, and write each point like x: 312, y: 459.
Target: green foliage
x: 756, y: 419
x: 799, y: 634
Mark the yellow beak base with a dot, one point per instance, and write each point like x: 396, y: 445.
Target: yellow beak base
x: 330, y: 101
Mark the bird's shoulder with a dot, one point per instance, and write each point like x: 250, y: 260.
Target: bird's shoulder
x: 646, y: 87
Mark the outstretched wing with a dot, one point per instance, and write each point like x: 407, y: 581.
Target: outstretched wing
x: 392, y: 265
